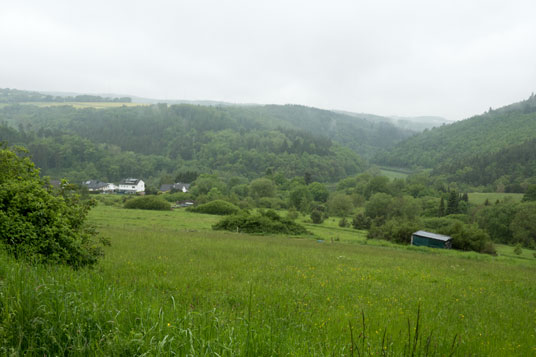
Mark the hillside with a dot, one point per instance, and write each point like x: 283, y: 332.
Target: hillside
x: 419, y: 123
x: 158, y: 140
x: 415, y: 124
x: 487, y: 149
x: 81, y: 142
x: 8, y: 95
x: 365, y: 134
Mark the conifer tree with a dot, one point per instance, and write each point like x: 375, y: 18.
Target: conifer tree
x: 452, y: 203
x: 441, y: 212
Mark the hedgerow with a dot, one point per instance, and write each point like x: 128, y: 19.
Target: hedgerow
x: 263, y: 222
x: 148, y: 202
x: 219, y: 207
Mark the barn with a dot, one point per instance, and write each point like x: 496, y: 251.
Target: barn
x: 433, y: 240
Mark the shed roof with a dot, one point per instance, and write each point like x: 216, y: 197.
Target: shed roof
x: 95, y: 184
x: 432, y: 235
x: 165, y: 187
x: 180, y: 186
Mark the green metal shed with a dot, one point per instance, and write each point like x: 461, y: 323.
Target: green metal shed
x: 428, y: 239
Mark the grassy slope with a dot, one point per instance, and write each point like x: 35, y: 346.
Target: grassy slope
x: 170, y: 283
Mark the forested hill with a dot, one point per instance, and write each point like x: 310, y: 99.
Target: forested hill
x: 158, y: 140
x: 8, y: 95
x: 496, y: 148
x: 364, y: 136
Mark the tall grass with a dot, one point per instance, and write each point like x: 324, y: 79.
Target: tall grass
x: 164, y: 289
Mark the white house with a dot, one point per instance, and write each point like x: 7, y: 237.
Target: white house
x: 131, y: 185
x: 110, y: 187
x: 99, y: 186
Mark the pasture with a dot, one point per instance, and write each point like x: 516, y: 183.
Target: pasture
x: 168, y: 285
x: 394, y: 173
x: 479, y: 198
x: 80, y: 105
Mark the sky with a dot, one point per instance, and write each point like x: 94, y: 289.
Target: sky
x: 450, y: 58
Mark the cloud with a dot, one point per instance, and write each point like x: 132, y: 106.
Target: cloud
x: 453, y: 58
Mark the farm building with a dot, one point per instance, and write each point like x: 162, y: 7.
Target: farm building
x: 131, y: 185
x: 99, y: 186
x: 176, y: 187
x: 433, y: 240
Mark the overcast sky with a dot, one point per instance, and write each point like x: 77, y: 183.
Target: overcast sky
x: 452, y: 58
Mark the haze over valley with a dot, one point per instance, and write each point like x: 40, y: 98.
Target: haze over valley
x: 268, y: 179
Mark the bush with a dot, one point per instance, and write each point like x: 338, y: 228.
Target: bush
x: 271, y: 202
x: 361, y: 221
x: 176, y: 196
x: 464, y: 236
x: 317, y: 217
x: 340, y: 205
x: 343, y: 222
x: 149, y: 203
x: 263, y: 222
x: 39, y: 223
x: 394, y: 230
x: 470, y: 237
x: 292, y: 214
x: 517, y: 249
x: 219, y: 207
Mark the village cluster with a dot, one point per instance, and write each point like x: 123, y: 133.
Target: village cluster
x: 131, y: 186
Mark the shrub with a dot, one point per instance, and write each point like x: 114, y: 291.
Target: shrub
x: 343, y: 222
x: 517, y: 249
x: 149, y: 203
x: 464, y: 236
x: 470, y: 237
x: 317, y: 217
x: 271, y: 202
x: 41, y: 224
x: 395, y: 230
x: 523, y: 225
x: 263, y: 222
x: 176, y: 196
x: 219, y: 207
x: 292, y: 214
x: 361, y: 221
x: 340, y: 204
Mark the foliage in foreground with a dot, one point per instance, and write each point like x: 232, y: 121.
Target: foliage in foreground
x: 263, y: 222
x: 166, y: 290
x: 114, y: 325
x: 38, y: 223
x: 219, y: 207
x: 148, y: 202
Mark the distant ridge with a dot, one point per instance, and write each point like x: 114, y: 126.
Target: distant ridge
x: 477, y: 149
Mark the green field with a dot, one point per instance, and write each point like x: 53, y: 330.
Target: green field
x: 394, y: 173
x: 168, y: 283
x: 97, y: 105
x: 479, y: 198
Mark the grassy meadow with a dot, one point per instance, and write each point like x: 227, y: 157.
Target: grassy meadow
x: 479, y: 198
x: 394, y: 173
x: 169, y: 285
x: 96, y: 105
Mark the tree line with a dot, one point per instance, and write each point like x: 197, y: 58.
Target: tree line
x: 8, y: 95
x: 151, y: 142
